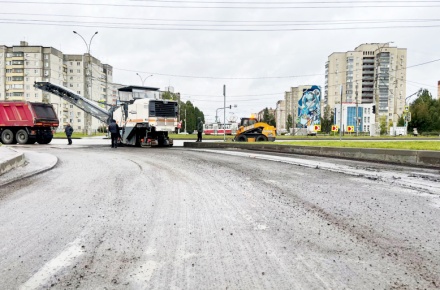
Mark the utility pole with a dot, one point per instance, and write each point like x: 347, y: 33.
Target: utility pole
x: 224, y: 113
x: 357, y: 114
x: 340, y: 119
x: 395, y: 118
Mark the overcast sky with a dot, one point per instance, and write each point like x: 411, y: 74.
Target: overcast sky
x: 200, y: 45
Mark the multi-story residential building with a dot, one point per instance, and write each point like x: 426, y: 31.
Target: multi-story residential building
x: 22, y: 65
x: 280, y: 116
x: 438, y: 90
x: 370, y: 71
x: 298, y: 109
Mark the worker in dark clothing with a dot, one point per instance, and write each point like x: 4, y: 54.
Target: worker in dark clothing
x: 69, y: 130
x: 199, y: 129
x: 113, y: 128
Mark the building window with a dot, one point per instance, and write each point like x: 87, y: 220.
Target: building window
x: 78, y: 63
x: 71, y: 71
x: 78, y: 71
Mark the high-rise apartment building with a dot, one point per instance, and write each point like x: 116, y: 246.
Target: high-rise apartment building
x: 373, y: 73
x: 22, y: 65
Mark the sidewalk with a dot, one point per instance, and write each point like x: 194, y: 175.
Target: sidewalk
x: 19, y: 164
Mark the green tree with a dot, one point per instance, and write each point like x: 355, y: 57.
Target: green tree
x: 401, y: 121
x: 383, y: 125
x: 192, y: 113
x: 171, y: 96
x: 268, y: 117
x: 289, y: 123
x: 425, y: 113
x: 327, y: 120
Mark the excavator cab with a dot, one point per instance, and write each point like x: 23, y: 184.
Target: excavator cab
x: 248, y: 121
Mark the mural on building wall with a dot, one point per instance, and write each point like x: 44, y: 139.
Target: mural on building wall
x: 309, y: 108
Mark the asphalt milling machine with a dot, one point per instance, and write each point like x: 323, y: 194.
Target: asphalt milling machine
x: 143, y: 118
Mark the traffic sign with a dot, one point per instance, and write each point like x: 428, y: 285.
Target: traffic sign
x: 317, y: 128
x: 350, y: 128
x: 335, y: 128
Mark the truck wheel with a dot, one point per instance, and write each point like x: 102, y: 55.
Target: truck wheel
x: 7, y: 137
x: 261, y: 138
x: 31, y: 140
x: 44, y: 140
x: 22, y: 136
x: 242, y: 138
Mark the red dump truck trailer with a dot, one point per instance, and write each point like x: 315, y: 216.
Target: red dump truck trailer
x: 26, y: 123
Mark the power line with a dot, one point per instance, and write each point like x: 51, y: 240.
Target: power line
x: 294, y: 5
x: 317, y: 22
x: 179, y: 28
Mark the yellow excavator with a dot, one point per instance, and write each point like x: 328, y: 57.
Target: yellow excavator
x: 250, y: 130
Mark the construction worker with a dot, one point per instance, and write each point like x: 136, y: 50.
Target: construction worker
x: 113, y: 128
x: 69, y: 130
x: 199, y: 129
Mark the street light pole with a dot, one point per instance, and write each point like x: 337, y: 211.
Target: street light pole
x: 90, y: 94
x: 357, y: 113
x: 143, y: 80
x: 224, y: 113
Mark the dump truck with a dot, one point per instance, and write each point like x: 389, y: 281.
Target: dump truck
x: 251, y: 130
x: 27, y: 122
x: 144, y: 120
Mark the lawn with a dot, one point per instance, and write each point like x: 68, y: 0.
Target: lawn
x: 404, y: 145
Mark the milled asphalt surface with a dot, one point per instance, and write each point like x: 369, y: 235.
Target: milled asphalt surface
x: 172, y: 218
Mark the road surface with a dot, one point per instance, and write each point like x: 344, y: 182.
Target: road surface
x: 174, y: 218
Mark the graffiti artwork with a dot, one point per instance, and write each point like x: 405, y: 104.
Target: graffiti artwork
x: 309, y: 108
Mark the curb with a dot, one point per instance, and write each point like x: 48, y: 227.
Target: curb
x: 417, y: 158
x: 12, y: 160
x: 31, y: 169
